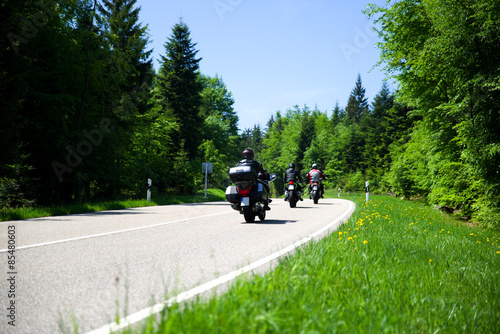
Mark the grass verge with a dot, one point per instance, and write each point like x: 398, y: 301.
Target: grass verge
x: 394, y: 267
x: 36, y: 212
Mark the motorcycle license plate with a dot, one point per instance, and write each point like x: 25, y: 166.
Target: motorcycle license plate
x: 315, y: 187
x: 245, y: 201
x: 291, y: 187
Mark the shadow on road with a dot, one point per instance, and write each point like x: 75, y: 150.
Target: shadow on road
x: 323, y: 203
x: 114, y: 212
x: 209, y: 203
x: 273, y: 222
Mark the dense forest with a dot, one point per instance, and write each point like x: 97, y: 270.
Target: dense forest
x: 86, y: 117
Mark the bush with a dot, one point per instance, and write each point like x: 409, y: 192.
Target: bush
x: 354, y: 182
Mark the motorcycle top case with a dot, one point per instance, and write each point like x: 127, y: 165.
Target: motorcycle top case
x: 232, y: 194
x: 242, y: 173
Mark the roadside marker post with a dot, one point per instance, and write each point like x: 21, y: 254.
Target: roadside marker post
x: 150, y: 182
x: 367, y: 184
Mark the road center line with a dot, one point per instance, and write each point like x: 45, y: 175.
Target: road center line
x: 112, y: 232
x: 147, y: 312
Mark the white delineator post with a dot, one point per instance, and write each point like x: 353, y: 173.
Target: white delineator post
x: 150, y: 182
x: 367, y: 191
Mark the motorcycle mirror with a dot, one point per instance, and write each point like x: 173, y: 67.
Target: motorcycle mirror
x: 272, y: 177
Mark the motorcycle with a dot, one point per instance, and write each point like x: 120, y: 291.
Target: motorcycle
x: 248, y: 194
x: 292, y: 195
x: 315, y: 191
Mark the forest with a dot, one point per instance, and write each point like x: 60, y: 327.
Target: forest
x: 85, y: 116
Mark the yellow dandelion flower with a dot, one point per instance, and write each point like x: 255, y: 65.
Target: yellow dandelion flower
x: 498, y: 252
x: 350, y: 238
x: 340, y: 233
x: 430, y: 261
x: 365, y: 242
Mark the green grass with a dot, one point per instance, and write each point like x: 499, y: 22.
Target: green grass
x: 394, y: 267
x: 36, y: 212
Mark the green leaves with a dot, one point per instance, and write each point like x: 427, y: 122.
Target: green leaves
x: 445, y: 57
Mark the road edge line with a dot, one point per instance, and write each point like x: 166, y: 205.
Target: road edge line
x: 150, y: 311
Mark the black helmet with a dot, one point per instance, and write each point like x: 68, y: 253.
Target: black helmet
x: 291, y: 165
x: 247, y: 153
x: 315, y: 166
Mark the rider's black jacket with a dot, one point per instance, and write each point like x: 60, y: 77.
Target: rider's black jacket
x: 291, y: 174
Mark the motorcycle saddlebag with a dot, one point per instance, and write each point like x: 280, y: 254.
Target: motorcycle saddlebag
x: 258, y: 193
x: 242, y: 173
x: 232, y: 194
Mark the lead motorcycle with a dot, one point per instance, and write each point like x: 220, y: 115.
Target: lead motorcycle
x: 248, y: 194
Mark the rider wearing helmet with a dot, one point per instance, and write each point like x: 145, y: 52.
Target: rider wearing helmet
x: 262, y: 174
x: 291, y: 174
x: 316, y: 175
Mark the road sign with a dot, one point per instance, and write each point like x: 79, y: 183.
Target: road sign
x: 207, y: 167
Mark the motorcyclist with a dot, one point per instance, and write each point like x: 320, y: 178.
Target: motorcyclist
x: 262, y: 174
x: 316, y: 175
x: 291, y: 174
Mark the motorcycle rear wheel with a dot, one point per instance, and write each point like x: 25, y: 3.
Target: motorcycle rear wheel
x: 292, y: 199
x: 315, y: 197
x: 249, y: 215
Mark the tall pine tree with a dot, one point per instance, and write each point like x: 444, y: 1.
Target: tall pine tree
x: 131, y: 68
x: 180, y: 88
x: 357, y: 105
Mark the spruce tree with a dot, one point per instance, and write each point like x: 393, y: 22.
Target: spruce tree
x: 357, y: 105
x: 131, y: 70
x: 131, y: 62
x: 180, y: 87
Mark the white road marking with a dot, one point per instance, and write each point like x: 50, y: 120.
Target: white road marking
x: 147, y: 312
x: 113, y: 232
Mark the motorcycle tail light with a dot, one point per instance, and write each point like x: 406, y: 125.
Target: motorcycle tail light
x: 244, y: 192
x: 291, y: 182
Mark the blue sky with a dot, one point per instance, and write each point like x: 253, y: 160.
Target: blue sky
x: 275, y: 54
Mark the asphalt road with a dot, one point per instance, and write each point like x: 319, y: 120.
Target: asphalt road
x: 84, y: 271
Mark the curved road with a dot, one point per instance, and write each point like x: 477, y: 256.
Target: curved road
x: 86, y: 270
